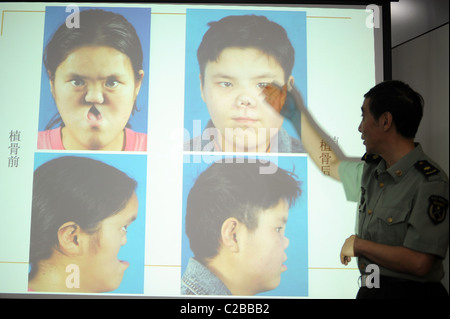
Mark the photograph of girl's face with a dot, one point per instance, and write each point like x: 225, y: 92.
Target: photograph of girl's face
x: 95, y: 89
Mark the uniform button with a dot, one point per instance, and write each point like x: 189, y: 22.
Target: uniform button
x: 370, y: 212
x: 398, y: 173
x: 381, y: 185
x: 389, y: 220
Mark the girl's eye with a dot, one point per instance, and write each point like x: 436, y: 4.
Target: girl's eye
x: 77, y: 82
x: 279, y: 229
x: 262, y: 85
x: 225, y: 84
x: 111, y: 84
x: 125, y: 228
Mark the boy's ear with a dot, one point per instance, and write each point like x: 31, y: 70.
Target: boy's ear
x: 201, y: 87
x: 69, y: 238
x: 228, y: 234
x: 290, y: 83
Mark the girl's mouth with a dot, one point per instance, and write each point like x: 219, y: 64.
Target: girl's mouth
x: 94, y: 115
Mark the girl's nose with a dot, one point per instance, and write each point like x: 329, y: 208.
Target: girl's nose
x: 94, y: 95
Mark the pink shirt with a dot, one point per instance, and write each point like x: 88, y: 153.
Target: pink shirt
x: 52, y: 140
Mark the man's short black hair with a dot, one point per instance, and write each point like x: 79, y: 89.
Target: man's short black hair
x: 399, y: 99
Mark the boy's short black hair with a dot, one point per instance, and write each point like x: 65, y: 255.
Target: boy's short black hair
x: 237, y: 190
x: 247, y: 31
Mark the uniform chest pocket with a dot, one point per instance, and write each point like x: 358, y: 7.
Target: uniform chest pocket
x: 390, y: 225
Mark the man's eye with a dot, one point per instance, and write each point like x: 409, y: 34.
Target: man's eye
x: 279, y: 229
x: 111, y: 84
x: 77, y: 82
x: 225, y: 84
x: 125, y: 228
x: 262, y: 85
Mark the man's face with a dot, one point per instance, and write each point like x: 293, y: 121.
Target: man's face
x: 263, y: 250
x: 370, y: 129
x: 102, y: 270
x: 94, y: 90
x: 232, y: 90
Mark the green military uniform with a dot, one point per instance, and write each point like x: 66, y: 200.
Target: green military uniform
x: 404, y: 205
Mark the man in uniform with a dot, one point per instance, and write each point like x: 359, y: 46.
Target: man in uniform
x: 403, y: 195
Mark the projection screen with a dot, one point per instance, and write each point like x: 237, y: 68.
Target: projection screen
x: 100, y: 152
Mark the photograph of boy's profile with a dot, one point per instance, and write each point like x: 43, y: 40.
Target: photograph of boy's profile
x: 245, y: 232
x: 94, y: 80
x: 87, y: 224
x: 231, y: 56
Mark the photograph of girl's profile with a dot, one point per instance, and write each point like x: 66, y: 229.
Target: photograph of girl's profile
x: 94, y: 80
x: 87, y: 224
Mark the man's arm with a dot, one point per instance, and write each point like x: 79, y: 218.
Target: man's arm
x: 315, y: 144
x: 396, y: 258
x: 314, y: 139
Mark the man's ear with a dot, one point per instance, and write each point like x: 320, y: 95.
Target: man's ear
x: 386, y: 120
x: 228, y: 234
x: 69, y: 238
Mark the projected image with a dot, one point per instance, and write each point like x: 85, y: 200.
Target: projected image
x: 93, y: 90
x: 245, y: 232
x: 83, y: 211
x: 231, y: 56
x: 157, y: 93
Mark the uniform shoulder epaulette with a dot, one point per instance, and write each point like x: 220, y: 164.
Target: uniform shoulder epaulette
x: 426, y: 168
x: 371, y: 158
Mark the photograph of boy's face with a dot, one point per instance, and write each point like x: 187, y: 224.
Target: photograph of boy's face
x: 95, y: 90
x: 245, y: 233
x: 263, y: 250
x: 232, y: 91
x: 231, y: 55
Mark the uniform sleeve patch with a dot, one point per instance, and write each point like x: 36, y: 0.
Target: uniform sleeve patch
x: 426, y: 168
x: 437, y: 208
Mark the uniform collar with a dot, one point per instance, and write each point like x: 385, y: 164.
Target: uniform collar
x: 399, y: 169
